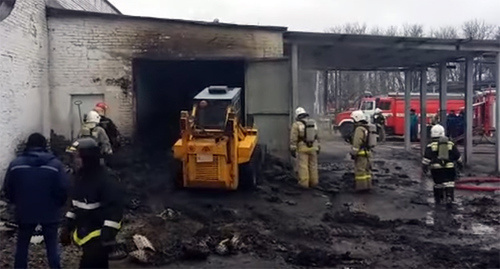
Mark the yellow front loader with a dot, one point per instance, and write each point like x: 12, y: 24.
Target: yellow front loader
x: 215, y: 150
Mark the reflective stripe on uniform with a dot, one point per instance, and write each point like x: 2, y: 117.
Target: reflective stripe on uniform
x: 362, y: 153
x: 70, y: 215
x: 86, y: 205
x: 439, y: 166
x: 426, y: 161
x: 113, y: 224
x: 438, y: 186
x: 19, y: 167
x: 363, y: 177
x: 355, y: 149
x: 449, y: 184
x: 81, y: 241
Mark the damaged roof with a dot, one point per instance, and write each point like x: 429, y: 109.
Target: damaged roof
x: 59, y: 12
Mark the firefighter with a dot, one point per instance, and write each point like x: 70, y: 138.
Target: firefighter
x: 92, y: 129
x: 379, y: 121
x: 108, y: 125
x: 304, y: 145
x: 97, y: 207
x: 413, y: 125
x: 361, y: 152
x: 440, y: 156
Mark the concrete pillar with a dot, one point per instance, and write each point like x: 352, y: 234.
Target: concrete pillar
x: 469, y: 66
x: 497, y: 115
x: 443, y: 83
x: 408, y: 79
x: 423, y: 109
x: 295, y: 78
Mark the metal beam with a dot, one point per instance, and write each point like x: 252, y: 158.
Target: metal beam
x: 469, y: 91
x: 407, y: 133
x: 443, y: 84
x: 497, y: 116
x: 295, y: 77
x: 423, y: 110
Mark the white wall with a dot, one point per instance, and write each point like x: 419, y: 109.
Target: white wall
x: 23, y: 77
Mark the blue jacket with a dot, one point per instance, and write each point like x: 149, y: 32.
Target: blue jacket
x: 37, y: 184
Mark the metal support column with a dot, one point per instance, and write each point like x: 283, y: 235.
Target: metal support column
x: 497, y: 115
x: 469, y: 66
x: 295, y: 78
x: 443, y: 83
x: 407, y: 136
x: 325, y: 92
x: 423, y: 109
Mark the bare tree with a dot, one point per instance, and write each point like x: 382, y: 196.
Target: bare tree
x: 392, y: 31
x: 480, y: 30
x: 413, y: 30
x: 349, y: 28
x: 446, y: 32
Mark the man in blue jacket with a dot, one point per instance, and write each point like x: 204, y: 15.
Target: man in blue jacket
x: 37, y: 185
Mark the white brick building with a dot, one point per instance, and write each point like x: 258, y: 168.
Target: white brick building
x: 56, y: 52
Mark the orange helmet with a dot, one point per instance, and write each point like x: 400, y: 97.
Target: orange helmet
x: 102, y: 105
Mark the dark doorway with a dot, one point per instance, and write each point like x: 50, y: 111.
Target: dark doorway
x: 164, y: 88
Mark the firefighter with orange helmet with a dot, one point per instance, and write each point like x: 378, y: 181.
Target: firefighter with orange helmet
x: 108, y: 125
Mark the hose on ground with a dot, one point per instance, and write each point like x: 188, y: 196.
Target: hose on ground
x: 461, y: 184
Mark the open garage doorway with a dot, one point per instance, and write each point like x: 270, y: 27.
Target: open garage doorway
x: 164, y: 88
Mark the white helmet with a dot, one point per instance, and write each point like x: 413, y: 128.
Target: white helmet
x: 358, y: 115
x: 93, y: 117
x: 378, y: 110
x: 299, y: 111
x: 437, y: 131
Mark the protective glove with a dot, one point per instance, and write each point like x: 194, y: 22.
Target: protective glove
x: 425, y: 169
x: 65, y: 237
x: 293, y: 153
x: 108, y: 236
x: 353, y: 156
x: 319, y: 149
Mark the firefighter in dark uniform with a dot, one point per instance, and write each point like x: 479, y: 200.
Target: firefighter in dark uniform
x: 379, y: 121
x: 442, y: 157
x: 97, y: 207
x: 108, y: 125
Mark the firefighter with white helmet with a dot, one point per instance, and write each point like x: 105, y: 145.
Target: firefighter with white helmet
x: 362, y: 143
x: 304, y: 145
x: 442, y: 157
x: 92, y: 129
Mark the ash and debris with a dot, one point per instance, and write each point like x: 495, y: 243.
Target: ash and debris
x: 329, y: 226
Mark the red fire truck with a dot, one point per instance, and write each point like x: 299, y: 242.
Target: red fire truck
x: 393, y: 108
x: 484, y: 112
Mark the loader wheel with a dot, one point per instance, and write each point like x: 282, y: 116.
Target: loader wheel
x: 248, y: 177
x: 250, y: 172
x: 176, y: 174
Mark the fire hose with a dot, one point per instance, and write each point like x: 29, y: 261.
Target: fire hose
x: 461, y: 184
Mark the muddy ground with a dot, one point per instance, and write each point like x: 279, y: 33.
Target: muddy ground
x: 396, y: 225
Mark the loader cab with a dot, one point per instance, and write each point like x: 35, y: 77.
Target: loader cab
x: 211, y: 107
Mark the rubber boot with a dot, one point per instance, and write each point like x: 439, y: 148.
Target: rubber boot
x: 450, y: 196
x: 438, y: 195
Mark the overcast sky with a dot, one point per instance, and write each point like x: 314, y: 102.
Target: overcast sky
x: 319, y: 15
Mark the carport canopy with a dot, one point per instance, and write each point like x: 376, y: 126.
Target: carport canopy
x: 325, y: 51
